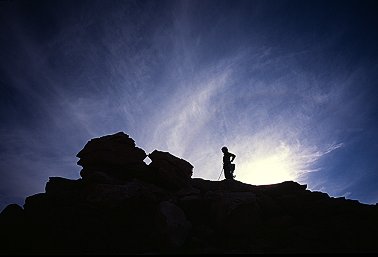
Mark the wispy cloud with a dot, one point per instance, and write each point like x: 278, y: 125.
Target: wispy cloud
x: 185, y: 79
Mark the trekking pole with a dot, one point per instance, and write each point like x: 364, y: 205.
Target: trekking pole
x: 220, y: 174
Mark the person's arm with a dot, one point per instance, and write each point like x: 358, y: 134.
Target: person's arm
x: 232, y: 157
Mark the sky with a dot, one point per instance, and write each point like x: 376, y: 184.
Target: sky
x: 290, y: 87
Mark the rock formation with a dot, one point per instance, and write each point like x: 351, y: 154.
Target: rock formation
x: 121, y: 205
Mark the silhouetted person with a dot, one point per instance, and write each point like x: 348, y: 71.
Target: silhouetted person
x: 228, y: 166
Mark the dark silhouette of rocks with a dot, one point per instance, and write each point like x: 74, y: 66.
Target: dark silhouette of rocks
x: 123, y: 206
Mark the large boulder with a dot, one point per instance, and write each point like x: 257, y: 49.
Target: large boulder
x: 110, y: 158
x: 170, y: 171
x: 12, y: 232
x: 111, y: 150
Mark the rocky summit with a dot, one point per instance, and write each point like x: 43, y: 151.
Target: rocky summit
x: 121, y: 205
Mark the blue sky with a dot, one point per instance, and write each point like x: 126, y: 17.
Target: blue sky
x: 290, y: 87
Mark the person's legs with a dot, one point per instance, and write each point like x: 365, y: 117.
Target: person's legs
x: 227, y: 172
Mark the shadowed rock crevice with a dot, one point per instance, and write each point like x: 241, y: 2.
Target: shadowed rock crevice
x: 121, y: 205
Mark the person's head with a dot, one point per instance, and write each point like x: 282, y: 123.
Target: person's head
x: 224, y: 149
